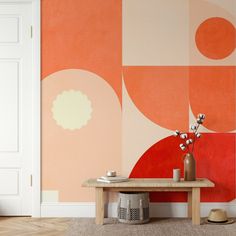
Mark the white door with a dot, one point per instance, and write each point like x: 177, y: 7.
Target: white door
x: 15, y: 109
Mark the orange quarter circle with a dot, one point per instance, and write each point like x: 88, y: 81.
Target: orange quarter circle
x: 160, y: 93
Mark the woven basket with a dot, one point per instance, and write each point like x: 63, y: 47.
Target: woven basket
x: 133, y: 207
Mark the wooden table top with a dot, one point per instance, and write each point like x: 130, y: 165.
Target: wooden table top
x: 151, y: 182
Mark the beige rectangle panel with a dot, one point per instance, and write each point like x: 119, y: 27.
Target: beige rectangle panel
x: 155, y: 32
x: 9, y: 182
x: 9, y: 86
x: 50, y: 196
x: 228, y: 5
x: 9, y: 29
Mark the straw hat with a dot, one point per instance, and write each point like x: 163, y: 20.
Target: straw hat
x: 218, y: 216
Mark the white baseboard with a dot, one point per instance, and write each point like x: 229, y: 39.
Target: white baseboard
x: 87, y: 209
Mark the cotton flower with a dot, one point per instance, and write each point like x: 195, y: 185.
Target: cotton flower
x: 201, y: 116
x: 182, y: 146
x: 189, y: 141
x: 198, y: 135
x: 183, y: 136
x: 199, y: 120
x: 193, y: 127
x: 191, y: 137
x: 176, y: 133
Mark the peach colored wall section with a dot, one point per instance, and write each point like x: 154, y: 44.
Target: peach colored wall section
x: 71, y: 156
x: 155, y: 32
x: 228, y: 5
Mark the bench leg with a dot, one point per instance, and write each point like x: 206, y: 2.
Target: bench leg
x: 190, y: 204
x: 99, y: 206
x: 196, y: 206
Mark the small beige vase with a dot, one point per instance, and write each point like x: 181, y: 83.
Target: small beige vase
x: 189, y: 167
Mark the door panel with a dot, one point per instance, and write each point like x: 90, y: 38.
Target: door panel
x: 10, y: 26
x: 9, y: 90
x: 15, y: 108
x: 12, y: 186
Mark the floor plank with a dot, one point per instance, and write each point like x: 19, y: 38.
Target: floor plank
x: 27, y: 226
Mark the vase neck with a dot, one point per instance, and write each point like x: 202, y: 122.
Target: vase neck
x: 189, y: 154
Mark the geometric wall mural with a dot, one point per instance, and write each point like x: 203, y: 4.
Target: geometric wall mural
x: 119, y: 76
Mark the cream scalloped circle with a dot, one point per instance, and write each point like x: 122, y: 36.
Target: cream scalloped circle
x: 71, y: 109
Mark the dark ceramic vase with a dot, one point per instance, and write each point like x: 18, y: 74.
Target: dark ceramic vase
x: 189, y: 167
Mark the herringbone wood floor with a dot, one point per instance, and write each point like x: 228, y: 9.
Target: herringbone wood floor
x: 27, y: 226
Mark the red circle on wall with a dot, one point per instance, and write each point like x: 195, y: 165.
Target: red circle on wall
x: 216, y: 38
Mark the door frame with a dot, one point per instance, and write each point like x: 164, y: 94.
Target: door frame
x: 36, y: 95
x: 36, y: 73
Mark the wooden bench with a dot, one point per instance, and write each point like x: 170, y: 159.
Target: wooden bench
x: 152, y: 185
